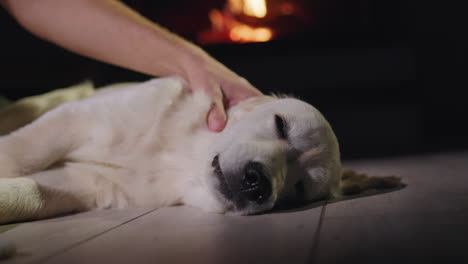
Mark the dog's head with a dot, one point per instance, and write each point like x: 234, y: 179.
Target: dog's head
x: 274, y: 149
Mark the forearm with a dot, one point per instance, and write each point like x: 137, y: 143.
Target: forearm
x: 108, y: 31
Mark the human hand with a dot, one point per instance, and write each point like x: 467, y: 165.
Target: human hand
x: 225, y: 88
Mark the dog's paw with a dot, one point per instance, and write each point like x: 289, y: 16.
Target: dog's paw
x: 20, y: 199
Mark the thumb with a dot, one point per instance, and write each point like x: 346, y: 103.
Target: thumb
x: 216, y: 116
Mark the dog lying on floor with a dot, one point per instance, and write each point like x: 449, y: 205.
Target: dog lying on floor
x: 147, y: 145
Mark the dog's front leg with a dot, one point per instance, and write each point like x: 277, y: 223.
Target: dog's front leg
x: 45, y: 194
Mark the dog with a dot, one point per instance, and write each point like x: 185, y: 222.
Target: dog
x: 147, y: 145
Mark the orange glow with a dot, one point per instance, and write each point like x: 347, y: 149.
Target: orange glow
x: 244, y: 33
x: 216, y: 19
x: 287, y: 8
x: 235, y: 6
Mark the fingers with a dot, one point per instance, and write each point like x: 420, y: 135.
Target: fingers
x: 216, y: 118
x: 226, y: 96
x: 241, y: 91
x: 225, y: 89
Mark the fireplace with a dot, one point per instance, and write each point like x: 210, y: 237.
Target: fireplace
x: 231, y: 21
x: 243, y: 21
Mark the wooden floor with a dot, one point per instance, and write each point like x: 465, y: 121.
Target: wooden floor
x: 426, y: 221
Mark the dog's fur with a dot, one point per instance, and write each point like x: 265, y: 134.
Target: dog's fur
x: 148, y: 145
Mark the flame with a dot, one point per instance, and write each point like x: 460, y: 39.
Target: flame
x: 225, y: 22
x: 244, y: 33
x: 253, y: 8
x: 240, y: 32
x: 235, y: 6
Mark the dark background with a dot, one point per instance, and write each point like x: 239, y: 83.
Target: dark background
x: 389, y: 75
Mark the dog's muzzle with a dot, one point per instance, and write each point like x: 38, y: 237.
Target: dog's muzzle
x: 252, y: 186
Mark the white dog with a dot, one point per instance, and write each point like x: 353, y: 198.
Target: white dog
x: 148, y: 145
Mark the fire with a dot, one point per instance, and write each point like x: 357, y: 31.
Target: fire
x: 225, y: 23
x: 255, y: 8
x: 241, y: 21
x: 244, y: 33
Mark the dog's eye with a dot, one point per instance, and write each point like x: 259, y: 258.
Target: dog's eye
x: 281, y: 127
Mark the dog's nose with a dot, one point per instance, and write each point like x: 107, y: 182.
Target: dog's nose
x: 255, y: 186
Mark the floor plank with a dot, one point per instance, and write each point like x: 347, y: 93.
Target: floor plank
x: 421, y: 238
x: 423, y: 222
x: 186, y: 235
x: 36, y: 241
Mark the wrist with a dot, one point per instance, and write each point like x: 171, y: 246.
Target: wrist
x: 193, y: 62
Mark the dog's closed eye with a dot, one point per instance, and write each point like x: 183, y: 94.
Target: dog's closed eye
x: 281, y: 127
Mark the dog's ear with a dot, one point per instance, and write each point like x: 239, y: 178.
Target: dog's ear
x: 322, y: 173
x: 247, y: 106
x: 355, y: 183
x: 319, y: 183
